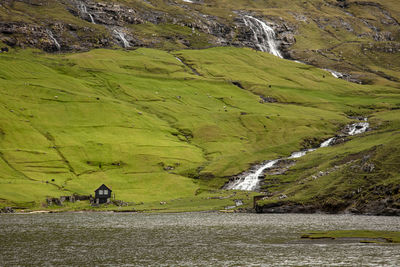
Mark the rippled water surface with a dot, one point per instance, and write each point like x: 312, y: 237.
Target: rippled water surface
x: 188, y: 239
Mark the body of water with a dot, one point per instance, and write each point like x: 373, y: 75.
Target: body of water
x: 188, y: 239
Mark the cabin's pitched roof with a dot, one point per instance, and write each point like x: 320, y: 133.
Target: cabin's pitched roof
x: 103, y: 187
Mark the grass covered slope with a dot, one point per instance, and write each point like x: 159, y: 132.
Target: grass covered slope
x: 361, y: 175
x: 156, y: 129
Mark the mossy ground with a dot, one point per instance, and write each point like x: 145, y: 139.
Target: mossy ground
x: 144, y: 124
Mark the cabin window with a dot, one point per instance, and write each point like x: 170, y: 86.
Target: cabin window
x: 105, y: 192
x: 100, y: 192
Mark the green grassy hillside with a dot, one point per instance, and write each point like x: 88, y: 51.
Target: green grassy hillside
x: 155, y: 129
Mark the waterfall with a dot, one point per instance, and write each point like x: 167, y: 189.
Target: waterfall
x: 82, y: 8
x: 121, y: 36
x: 91, y: 18
x: 177, y: 58
x: 263, y: 35
x: 327, y: 142
x: 54, y: 40
x: 298, y: 154
x: 357, y: 128
x: 251, y: 180
x: 335, y: 74
x: 264, y: 38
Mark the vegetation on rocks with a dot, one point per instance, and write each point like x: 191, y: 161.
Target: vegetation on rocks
x: 365, y: 236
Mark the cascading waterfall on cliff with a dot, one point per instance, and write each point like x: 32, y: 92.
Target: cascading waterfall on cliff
x: 83, y: 10
x: 251, y: 181
x: 263, y: 35
x: 121, y: 36
x: 54, y: 40
x: 264, y: 38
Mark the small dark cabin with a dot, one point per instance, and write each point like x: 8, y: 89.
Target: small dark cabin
x: 102, y: 194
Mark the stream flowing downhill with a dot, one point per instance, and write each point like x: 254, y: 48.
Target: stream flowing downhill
x: 264, y: 38
x: 250, y: 181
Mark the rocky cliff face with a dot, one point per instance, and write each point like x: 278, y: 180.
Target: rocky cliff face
x: 106, y: 18
x: 345, y: 36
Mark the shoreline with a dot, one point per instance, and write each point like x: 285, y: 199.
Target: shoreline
x: 294, y: 210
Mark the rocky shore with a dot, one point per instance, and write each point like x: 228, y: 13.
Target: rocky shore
x: 384, y: 207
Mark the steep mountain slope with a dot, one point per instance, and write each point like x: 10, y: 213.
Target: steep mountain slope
x: 358, y: 38
x: 173, y: 125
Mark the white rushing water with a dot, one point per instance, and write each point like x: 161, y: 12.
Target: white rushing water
x: 335, y: 74
x: 54, y: 40
x: 263, y: 35
x: 298, y: 154
x: 357, y: 128
x: 83, y: 10
x: 264, y: 39
x: 177, y: 58
x: 327, y: 142
x: 251, y: 180
x: 121, y: 36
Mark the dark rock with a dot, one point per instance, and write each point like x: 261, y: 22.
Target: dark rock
x: 10, y: 41
x: 389, y: 212
x: 285, y: 207
x: 7, y: 210
x: 368, y: 167
x: 267, y: 99
x: 342, y: 3
x: 238, y: 84
x: 53, y: 201
x: 72, y: 27
x: 168, y: 168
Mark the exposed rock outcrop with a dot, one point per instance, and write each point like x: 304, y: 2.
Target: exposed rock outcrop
x: 7, y: 210
x: 383, y: 207
x: 53, y: 36
x: 175, y: 24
